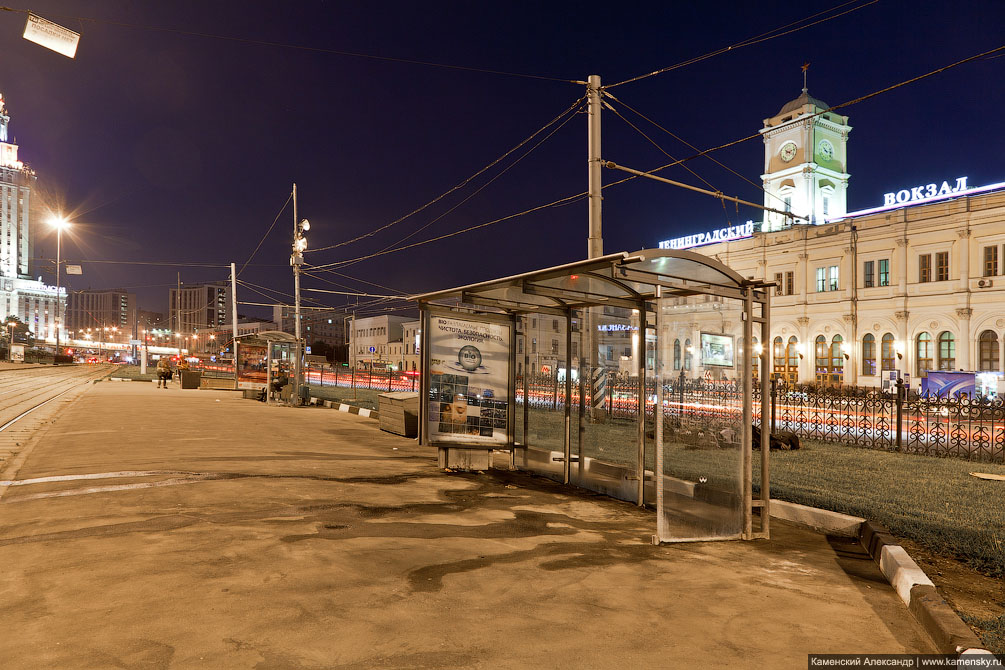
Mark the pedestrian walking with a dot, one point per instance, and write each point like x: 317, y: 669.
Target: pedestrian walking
x: 163, y: 372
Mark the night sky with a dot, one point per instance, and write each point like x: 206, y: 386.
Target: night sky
x: 170, y: 147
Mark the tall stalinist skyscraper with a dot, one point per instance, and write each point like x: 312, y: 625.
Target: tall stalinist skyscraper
x: 30, y: 300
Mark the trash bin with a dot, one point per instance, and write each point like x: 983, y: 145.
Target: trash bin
x: 191, y: 379
x: 399, y: 412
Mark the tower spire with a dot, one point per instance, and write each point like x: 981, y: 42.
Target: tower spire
x: 806, y: 66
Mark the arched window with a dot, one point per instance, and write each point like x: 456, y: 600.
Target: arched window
x: 947, y: 351
x: 869, y: 354
x: 888, y: 353
x: 821, y: 358
x: 792, y: 353
x: 676, y: 354
x: 988, y: 348
x: 687, y: 354
x: 923, y: 354
x: 837, y: 359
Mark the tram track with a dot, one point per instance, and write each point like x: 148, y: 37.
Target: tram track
x: 28, y: 399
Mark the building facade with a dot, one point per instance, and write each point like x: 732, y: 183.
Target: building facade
x: 911, y: 285
x: 92, y: 310
x: 199, y: 307
x: 31, y: 300
x: 316, y: 325
x: 376, y: 341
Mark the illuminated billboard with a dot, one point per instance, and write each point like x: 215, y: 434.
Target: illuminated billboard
x: 717, y: 350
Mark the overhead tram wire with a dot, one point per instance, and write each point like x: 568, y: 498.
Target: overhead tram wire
x: 757, y: 39
x: 571, y: 108
x: 262, y: 241
x: 820, y: 113
x: 555, y: 203
x: 483, y: 186
x: 299, y: 47
x: 692, y: 147
x: 572, y: 198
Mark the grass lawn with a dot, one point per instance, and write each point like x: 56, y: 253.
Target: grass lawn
x: 933, y: 501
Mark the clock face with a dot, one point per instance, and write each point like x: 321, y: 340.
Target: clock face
x: 788, y: 151
x: 826, y: 150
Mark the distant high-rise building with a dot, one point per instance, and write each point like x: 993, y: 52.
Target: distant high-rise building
x: 92, y: 309
x: 199, y: 306
x: 31, y: 300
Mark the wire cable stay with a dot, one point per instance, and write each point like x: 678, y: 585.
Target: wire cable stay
x: 300, y: 47
x: 460, y: 185
x: 757, y: 39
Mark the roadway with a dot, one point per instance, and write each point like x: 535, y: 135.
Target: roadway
x: 152, y: 528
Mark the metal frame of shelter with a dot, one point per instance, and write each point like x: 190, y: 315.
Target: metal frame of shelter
x: 637, y: 281
x: 268, y: 339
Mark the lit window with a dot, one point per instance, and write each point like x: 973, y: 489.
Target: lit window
x: 884, y: 272
x: 925, y: 268
x: 942, y: 266
x: 821, y: 280
x: 834, y: 283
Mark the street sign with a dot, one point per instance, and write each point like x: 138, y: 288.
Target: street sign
x: 135, y: 342
x: 307, y: 349
x: 373, y: 349
x: 73, y: 270
x: 51, y: 35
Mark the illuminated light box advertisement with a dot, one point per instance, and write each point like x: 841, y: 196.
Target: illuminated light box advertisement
x: 717, y: 350
x: 468, y: 381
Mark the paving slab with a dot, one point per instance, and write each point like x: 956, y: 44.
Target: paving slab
x: 153, y: 528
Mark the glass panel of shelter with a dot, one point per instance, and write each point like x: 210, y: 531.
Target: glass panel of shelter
x: 702, y: 409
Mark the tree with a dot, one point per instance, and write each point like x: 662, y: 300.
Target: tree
x: 21, y: 332
x: 321, y: 348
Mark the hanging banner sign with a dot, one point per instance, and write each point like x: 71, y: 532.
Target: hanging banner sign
x: 468, y: 381
x: 711, y: 237
x: 51, y: 35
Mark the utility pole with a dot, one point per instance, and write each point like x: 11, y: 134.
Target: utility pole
x: 177, y: 304
x: 233, y: 309
x: 595, y: 247
x: 595, y: 242
x: 297, y: 260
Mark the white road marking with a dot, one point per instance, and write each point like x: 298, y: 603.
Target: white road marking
x: 97, y: 475
x: 103, y: 489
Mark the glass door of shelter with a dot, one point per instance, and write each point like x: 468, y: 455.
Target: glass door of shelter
x: 700, y: 395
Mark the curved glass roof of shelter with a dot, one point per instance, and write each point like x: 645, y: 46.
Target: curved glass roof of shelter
x: 622, y: 279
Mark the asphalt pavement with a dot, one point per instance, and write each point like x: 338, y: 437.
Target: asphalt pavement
x: 159, y: 529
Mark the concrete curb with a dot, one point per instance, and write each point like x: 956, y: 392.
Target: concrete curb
x: 351, y: 409
x: 942, y: 624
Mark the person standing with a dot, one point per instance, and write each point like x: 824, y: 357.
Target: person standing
x: 163, y: 372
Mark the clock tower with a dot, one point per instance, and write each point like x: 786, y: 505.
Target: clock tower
x: 805, y: 162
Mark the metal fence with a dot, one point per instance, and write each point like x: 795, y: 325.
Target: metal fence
x: 378, y: 380
x: 969, y: 428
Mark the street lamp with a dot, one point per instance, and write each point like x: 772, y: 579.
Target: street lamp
x: 59, y: 224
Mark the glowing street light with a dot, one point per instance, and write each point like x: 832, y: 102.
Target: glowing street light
x: 60, y: 224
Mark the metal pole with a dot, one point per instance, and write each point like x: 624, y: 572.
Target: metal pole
x: 641, y: 367
x: 296, y: 309
x: 658, y: 418
x: 595, y: 245
x: 766, y: 439
x: 566, y: 464
x: 595, y: 240
x: 900, y: 413
x: 59, y: 238
x: 233, y: 309
x: 747, y: 464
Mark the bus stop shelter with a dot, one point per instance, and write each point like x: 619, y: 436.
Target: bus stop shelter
x: 631, y: 374
x: 262, y: 355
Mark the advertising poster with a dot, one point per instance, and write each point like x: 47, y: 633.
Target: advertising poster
x: 468, y: 381
x: 717, y: 350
